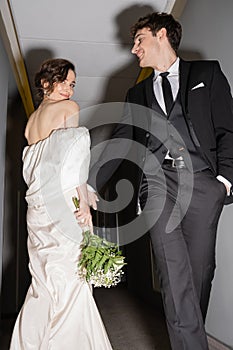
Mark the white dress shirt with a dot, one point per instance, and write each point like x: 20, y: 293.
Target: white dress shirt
x: 173, y: 78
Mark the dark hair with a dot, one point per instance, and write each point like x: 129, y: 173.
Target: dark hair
x: 52, y: 71
x: 157, y: 20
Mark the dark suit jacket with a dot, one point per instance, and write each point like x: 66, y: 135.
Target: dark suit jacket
x: 207, y: 105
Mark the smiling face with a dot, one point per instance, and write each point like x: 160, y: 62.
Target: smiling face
x: 153, y: 51
x: 146, y: 47
x: 63, y: 90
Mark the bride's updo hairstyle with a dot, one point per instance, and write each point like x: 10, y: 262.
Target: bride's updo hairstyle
x: 51, y: 71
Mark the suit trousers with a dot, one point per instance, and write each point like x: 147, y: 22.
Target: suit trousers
x: 183, y: 210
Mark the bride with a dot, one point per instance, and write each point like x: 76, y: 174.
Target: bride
x: 59, y: 311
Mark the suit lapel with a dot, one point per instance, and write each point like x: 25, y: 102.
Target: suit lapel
x: 184, y: 75
x: 149, y: 95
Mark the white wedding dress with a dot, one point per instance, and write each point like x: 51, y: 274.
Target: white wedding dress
x: 59, y: 311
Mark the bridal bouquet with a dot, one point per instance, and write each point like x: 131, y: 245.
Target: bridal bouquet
x: 101, y: 261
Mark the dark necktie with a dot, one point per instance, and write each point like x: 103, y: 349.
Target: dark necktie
x: 167, y: 91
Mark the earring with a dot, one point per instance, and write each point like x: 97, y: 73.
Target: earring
x: 46, y: 93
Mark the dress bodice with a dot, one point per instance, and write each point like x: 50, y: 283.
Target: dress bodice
x: 56, y: 164
x: 53, y: 169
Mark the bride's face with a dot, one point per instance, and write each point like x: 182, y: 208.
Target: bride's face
x: 65, y: 89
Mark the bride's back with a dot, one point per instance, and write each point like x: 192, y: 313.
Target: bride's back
x: 51, y: 115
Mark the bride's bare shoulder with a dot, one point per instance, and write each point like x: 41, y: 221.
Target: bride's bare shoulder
x: 68, y: 106
x: 71, y: 104
x: 51, y: 115
x: 66, y: 111
x: 30, y: 124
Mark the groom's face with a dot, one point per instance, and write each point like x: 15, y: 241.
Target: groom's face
x: 146, y: 47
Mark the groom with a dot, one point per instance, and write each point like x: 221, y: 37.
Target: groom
x: 194, y: 98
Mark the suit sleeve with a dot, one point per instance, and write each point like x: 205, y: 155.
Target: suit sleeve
x: 222, y: 116
x: 114, y: 152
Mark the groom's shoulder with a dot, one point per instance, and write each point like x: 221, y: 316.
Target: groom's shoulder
x: 203, y: 65
x: 140, y: 86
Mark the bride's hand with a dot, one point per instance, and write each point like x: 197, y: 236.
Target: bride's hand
x: 83, y: 215
x: 92, y: 199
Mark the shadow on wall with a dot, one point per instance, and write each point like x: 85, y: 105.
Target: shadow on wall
x: 15, y: 260
x: 123, y: 78
x: 33, y: 60
x: 117, y: 85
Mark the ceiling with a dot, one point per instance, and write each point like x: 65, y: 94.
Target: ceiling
x: 94, y: 35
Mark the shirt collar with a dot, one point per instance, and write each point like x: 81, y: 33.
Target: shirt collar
x: 173, y: 70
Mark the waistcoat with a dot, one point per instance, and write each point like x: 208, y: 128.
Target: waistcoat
x: 176, y: 148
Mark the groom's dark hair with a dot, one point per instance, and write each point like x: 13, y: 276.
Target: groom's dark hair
x: 158, y: 20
